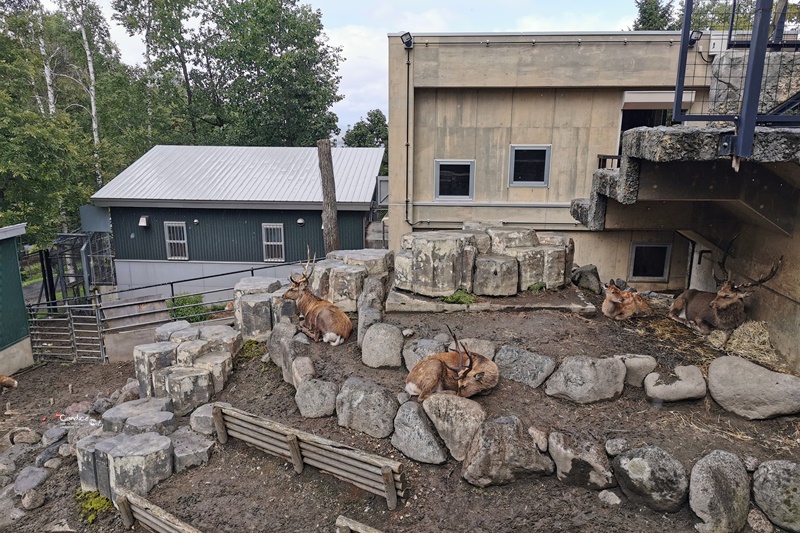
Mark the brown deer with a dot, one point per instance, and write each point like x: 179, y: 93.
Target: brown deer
x: 322, y: 320
x: 621, y: 305
x: 8, y: 382
x: 461, y: 371
x: 723, y: 310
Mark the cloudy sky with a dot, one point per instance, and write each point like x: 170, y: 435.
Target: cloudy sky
x: 360, y: 27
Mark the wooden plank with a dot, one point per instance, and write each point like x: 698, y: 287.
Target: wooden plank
x: 308, y: 448
x: 156, y: 515
x: 391, y: 493
x: 348, y: 524
x: 294, y: 448
x: 125, y: 511
x: 219, y: 424
x: 279, y: 445
x: 257, y: 443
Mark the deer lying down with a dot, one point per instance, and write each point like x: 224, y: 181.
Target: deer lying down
x: 8, y: 382
x: 447, y: 372
x: 724, y: 310
x: 621, y: 305
x: 322, y: 320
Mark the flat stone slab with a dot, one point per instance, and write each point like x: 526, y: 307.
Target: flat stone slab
x: 752, y: 391
x: 568, y: 299
x: 220, y: 364
x: 114, y: 419
x: 138, y: 462
x: 148, y: 358
x: 689, y: 385
x: 221, y: 338
x: 162, y: 422
x: 29, y: 478
x: 376, y: 261
x: 201, y: 419
x: 256, y: 285
x: 190, y: 350
x: 189, y: 449
x: 165, y: 331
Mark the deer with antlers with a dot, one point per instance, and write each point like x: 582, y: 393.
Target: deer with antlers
x: 462, y: 372
x: 723, y: 310
x: 322, y: 320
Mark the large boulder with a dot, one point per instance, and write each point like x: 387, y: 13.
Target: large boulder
x: 776, y: 490
x: 587, y: 380
x: 165, y: 331
x: 383, y: 346
x: 637, y: 368
x: 580, y: 463
x: 477, y: 346
x: 375, y: 261
x: 529, y: 368
x: 281, y: 348
x: 500, y: 452
x: 137, y: 463
x: 586, y: 277
x: 531, y: 265
x: 688, y: 385
x: 415, y: 436
x: 752, y: 391
x: 189, y: 448
x: 510, y: 237
x: 114, y: 419
x: 316, y: 398
x: 366, y: 407
x: 719, y: 492
x: 346, y: 282
x: 456, y: 420
x: 254, y: 316
x: 221, y: 339
x: 495, y: 275
x: 437, y: 263
x: 650, y: 476
x: 418, y: 349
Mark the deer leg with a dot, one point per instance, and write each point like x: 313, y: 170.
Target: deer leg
x: 308, y: 331
x: 725, y: 336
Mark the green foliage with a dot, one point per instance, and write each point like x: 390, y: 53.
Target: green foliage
x: 188, y: 307
x: 91, y: 505
x: 251, y: 349
x: 460, y: 297
x: 537, y: 287
x: 655, y: 15
x: 372, y: 132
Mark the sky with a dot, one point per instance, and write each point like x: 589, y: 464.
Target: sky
x: 361, y: 27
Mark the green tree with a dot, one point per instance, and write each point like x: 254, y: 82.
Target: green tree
x: 655, y: 15
x: 372, y: 132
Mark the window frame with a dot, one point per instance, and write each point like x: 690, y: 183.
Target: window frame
x: 548, y: 149
x: 169, y: 242
x: 437, y: 163
x: 667, y: 261
x: 265, y: 243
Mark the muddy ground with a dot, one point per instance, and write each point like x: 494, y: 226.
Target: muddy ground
x: 243, y: 489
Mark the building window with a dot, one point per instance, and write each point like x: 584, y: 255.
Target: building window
x: 529, y: 165
x: 650, y: 262
x: 175, y: 236
x: 273, y: 242
x: 455, y: 180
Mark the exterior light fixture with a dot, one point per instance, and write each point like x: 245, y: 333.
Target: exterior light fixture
x: 694, y: 36
x: 408, y: 40
x: 301, y: 222
x: 144, y: 221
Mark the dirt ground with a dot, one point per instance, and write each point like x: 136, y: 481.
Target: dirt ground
x: 243, y: 489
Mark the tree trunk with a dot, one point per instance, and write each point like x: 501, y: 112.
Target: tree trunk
x: 330, y: 228
x: 48, y: 73
x: 92, y: 96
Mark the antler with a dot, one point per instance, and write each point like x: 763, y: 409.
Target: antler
x: 461, y: 372
x: 766, y: 278
x: 721, y: 262
x: 306, y: 274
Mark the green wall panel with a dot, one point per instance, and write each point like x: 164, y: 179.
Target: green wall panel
x: 228, y: 234
x: 13, y: 315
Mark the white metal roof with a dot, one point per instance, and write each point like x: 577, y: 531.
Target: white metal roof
x: 12, y: 231
x: 241, y: 176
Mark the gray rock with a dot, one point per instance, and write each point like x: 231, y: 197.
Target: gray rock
x: 415, y: 436
x: 219, y: 364
x: 752, y: 391
x: 408, y: 332
x: 87, y: 469
x: 53, y: 463
x: 444, y: 338
x: 759, y: 522
x: 138, y: 462
x: 615, y: 447
x: 101, y: 405
x: 495, y: 275
x: 609, y: 497
x: 418, y: 349
x: 33, y: 499
x: 162, y: 422
x: 114, y: 419
x: 65, y: 450
x: 201, y: 419
x: 403, y: 397
x: 77, y: 408
x: 321, y: 276
x: 30, y: 478
x: 7, y: 466
x: 372, y: 293
x: 776, y: 491
x: 586, y: 277
x: 186, y: 334
x: 436, y: 263
x: 316, y: 398
x: 302, y: 369
x: 281, y: 348
x: 521, y: 365
x: 587, y: 380
x: 367, y: 317
x: 650, y: 476
x: 4, y: 481
x: 189, y: 449
x: 188, y: 351
x: 147, y: 358
x: 539, y: 437
x: 165, y: 331
x: 751, y: 463
x: 510, y: 237
x: 188, y: 388
x: 54, y: 434
x: 366, y: 407
x: 128, y: 396
x: 282, y: 308
x: 256, y: 316
x: 638, y: 366
x: 375, y: 261
x: 456, y: 419
x: 102, y: 464
x: 84, y: 429
x: 346, y: 282
x: 27, y: 436
x: 582, y: 464
x: 9, y: 514
x: 478, y: 346
x: 500, y: 451
x: 48, y: 453
x: 531, y: 265
x: 382, y: 346
x: 59, y: 526
x: 689, y: 385
x: 719, y: 492
x: 221, y: 339
x: 555, y: 264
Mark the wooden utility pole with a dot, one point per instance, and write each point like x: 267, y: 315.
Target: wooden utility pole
x: 330, y: 227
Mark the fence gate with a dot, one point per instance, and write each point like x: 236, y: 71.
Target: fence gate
x: 65, y: 333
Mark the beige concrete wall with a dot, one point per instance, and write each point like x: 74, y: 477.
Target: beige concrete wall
x: 16, y: 357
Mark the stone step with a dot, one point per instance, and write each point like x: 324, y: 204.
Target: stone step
x: 219, y: 364
x: 187, y: 387
x: 147, y: 358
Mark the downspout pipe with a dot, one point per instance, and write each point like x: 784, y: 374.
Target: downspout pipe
x: 408, y: 130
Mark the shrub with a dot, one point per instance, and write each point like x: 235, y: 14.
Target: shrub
x: 460, y: 297
x: 537, y: 287
x: 188, y: 307
x: 92, y: 504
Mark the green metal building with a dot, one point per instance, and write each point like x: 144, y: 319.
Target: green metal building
x: 15, y: 347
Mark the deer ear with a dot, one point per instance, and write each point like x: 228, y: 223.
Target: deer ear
x: 478, y: 376
x: 743, y: 295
